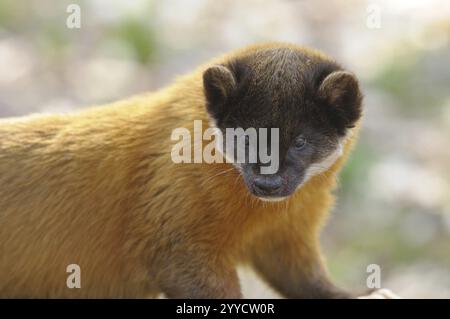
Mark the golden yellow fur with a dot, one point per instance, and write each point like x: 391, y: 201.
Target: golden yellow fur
x: 92, y: 189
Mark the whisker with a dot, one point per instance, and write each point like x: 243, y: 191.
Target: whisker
x: 218, y: 174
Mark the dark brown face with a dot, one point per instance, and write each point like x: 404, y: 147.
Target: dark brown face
x: 309, y: 99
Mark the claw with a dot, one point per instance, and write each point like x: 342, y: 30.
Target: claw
x: 381, y: 294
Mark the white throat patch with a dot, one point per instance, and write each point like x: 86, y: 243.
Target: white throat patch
x: 326, y: 163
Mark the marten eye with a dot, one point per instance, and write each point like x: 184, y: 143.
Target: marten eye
x: 300, y: 142
x: 247, y: 141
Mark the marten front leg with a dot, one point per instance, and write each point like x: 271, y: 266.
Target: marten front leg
x: 199, y: 275
x: 291, y: 263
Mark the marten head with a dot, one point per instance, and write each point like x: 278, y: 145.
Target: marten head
x: 308, y: 97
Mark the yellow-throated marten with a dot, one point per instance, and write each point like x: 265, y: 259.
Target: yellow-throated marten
x: 99, y: 188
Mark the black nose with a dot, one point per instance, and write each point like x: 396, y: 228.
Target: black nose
x: 268, y: 184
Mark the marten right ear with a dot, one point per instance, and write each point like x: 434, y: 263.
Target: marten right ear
x: 340, y: 91
x: 218, y: 83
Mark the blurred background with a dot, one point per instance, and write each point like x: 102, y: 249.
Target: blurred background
x: 393, y: 204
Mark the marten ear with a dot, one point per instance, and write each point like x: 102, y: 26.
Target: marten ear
x: 341, y: 94
x: 218, y: 83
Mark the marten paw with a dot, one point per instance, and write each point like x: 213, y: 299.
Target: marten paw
x: 380, y: 294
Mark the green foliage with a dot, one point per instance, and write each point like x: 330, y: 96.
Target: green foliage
x: 357, y: 167
x: 416, y: 79
x: 13, y: 14
x: 139, y: 37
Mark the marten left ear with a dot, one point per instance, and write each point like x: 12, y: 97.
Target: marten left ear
x: 219, y: 83
x: 341, y: 94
